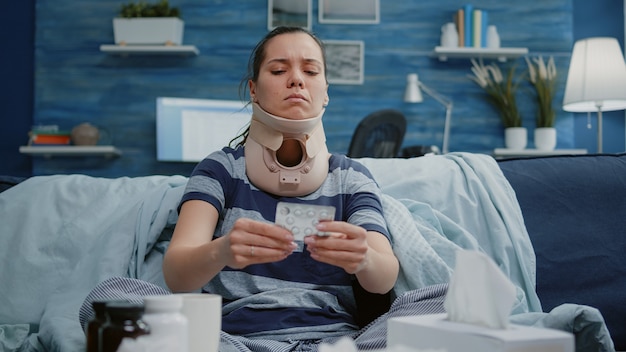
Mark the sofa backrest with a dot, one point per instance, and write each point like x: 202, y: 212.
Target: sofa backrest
x: 574, y: 208
x: 7, y: 182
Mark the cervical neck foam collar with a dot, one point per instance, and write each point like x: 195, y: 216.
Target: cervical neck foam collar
x: 267, y: 133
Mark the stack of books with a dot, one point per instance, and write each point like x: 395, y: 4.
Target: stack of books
x: 48, y: 135
x: 471, y: 24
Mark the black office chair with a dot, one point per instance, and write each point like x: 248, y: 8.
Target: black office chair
x: 378, y: 135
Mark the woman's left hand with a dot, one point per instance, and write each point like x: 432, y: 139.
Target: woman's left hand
x: 345, y: 246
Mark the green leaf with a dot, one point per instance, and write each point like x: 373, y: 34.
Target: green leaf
x: 144, y: 9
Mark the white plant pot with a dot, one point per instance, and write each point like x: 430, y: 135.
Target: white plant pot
x: 515, y: 137
x: 545, y: 138
x: 148, y: 31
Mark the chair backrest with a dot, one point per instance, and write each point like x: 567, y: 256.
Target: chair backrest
x: 378, y: 135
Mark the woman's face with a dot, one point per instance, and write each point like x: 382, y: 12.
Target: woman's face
x: 291, y: 81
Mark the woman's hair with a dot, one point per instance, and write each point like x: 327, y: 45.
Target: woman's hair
x: 256, y: 59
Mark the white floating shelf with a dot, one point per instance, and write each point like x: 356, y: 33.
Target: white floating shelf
x: 500, y: 54
x: 107, y: 151
x: 504, y: 152
x: 183, y: 50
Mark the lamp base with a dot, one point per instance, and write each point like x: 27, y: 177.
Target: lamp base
x: 600, y: 129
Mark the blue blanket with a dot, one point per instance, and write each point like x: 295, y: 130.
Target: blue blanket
x: 62, y: 235
x: 435, y: 206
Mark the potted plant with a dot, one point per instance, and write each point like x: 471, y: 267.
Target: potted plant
x: 142, y: 23
x: 501, y: 93
x: 542, y: 77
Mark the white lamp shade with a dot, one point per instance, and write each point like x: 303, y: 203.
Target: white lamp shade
x: 597, y: 77
x: 412, y: 93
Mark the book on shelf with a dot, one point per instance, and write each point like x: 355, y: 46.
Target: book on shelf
x: 467, y: 24
x: 484, y: 22
x: 37, y: 137
x: 471, y: 25
x: 476, y: 24
x: 459, y: 19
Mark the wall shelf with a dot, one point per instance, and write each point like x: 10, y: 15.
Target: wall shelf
x: 48, y: 151
x: 172, y: 50
x: 499, y: 153
x: 500, y: 54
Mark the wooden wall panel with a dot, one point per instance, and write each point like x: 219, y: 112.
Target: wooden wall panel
x: 75, y: 82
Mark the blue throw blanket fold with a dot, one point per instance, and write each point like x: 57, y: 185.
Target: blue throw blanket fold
x: 62, y: 235
x: 437, y: 205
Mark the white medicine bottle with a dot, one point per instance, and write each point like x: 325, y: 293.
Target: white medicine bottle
x: 167, y: 323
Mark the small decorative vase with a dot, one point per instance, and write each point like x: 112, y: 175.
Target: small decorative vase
x: 493, y: 38
x: 545, y: 138
x: 85, y: 134
x: 449, y: 36
x: 515, y: 137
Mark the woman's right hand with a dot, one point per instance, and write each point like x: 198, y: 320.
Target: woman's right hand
x: 193, y: 257
x: 254, y: 242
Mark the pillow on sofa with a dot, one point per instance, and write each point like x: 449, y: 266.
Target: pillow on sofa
x: 574, y: 208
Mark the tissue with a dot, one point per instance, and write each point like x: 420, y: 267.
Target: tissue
x: 479, y: 293
x: 346, y: 344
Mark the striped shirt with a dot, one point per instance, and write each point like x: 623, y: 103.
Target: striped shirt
x: 297, y: 298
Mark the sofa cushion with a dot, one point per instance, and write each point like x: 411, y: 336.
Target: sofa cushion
x: 574, y: 208
x: 7, y: 182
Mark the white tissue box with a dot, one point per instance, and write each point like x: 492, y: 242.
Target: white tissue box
x: 435, y: 332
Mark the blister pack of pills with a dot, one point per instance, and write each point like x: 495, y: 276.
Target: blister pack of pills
x: 301, y: 219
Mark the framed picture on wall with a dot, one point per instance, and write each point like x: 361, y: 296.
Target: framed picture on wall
x: 295, y: 13
x: 349, y: 11
x: 344, y: 61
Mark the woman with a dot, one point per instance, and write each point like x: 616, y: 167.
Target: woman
x: 280, y: 295
x: 226, y: 241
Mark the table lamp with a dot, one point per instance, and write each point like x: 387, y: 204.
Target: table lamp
x: 596, y: 80
x: 413, y: 94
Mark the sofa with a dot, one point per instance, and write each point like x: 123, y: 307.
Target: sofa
x: 574, y: 208
x: 555, y: 225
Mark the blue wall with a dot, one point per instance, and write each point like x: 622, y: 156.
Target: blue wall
x: 16, y: 85
x: 74, y: 82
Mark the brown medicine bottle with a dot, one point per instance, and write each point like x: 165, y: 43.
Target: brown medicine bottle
x: 95, y: 325
x: 124, y: 320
